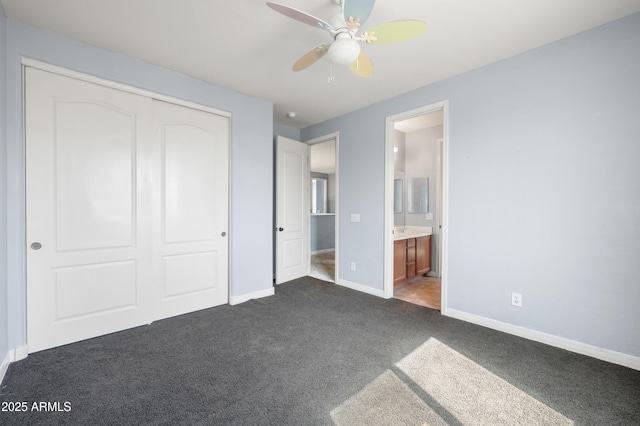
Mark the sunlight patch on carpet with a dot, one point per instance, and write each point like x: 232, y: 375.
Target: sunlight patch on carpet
x: 456, y: 388
x: 387, y: 400
x: 472, y: 394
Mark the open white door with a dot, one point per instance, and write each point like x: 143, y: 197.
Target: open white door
x: 292, y: 210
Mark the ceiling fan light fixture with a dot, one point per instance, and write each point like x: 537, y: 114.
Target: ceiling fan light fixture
x: 344, y: 50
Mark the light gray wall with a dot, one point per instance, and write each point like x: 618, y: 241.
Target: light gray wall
x: 361, y: 192
x: 4, y: 326
x: 286, y: 131
x: 422, y: 161
x: 399, y: 157
x: 323, y: 235
x: 251, y: 155
x: 544, y: 187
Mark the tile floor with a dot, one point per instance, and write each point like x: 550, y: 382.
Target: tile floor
x: 423, y: 291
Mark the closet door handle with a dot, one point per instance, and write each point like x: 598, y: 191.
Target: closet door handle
x: 279, y: 229
x: 36, y: 246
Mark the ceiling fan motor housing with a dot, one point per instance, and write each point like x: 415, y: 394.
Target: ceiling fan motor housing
x: 344, y: 50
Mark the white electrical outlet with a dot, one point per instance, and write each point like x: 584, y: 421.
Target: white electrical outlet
x: 516, y: 299
x: 353, y: 265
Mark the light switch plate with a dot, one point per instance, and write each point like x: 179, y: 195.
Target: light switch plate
x: 355, y: 217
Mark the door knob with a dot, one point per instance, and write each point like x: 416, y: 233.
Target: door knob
x: 36, y: 246
x: 280, y: 229
x: 224, y: 234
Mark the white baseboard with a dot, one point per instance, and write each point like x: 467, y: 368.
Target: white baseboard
x: 12, y: 356
x: 549, y: 339
x: 236, y: 300
x: 5, y: 365
x: 360, y: 287
x: 20, y: 352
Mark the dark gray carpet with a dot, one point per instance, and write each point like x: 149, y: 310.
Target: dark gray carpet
x: 310, y: 355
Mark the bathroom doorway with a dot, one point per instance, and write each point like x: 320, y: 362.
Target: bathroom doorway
x: 415, y: 212
x: 323, y: 221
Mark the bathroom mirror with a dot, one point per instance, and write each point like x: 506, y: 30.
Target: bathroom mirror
x: 418, y: 195
x: 397, y: 195
x: 318, y: 195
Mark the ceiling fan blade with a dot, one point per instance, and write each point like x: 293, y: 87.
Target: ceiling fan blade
x: 311, y: 57
x: 362, y: 66
x: 393, y: 32
x: 358, y: 9
x: 301, y: 16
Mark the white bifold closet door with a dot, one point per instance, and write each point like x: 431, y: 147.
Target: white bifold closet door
x: 127, y: 209
x: 191, y: 218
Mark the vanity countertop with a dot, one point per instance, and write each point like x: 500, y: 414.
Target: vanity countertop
x: 412, y: 232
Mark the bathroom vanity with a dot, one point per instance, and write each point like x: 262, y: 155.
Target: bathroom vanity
x: 411, y: 254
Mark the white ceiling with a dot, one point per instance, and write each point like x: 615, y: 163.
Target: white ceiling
x: 246, y: 46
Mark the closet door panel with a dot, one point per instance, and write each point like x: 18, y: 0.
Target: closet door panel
x: 88, y: 256
x: 192, y: 220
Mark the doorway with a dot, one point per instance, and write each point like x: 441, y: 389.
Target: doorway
x: 415, y: 206
x: 323, y: 213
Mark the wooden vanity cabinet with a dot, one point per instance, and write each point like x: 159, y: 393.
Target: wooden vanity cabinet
x: 423, y: 255
x: 411, y: 257
x: 399, y: 261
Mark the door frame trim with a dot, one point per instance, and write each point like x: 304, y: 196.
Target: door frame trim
x: 326, y: 138
x: 32, y: 63
x: 388, y: 197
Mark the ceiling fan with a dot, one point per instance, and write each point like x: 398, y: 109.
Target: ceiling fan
x: 344, y: 49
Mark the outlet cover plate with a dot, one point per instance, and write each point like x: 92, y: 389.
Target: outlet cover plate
x: 516, y: 299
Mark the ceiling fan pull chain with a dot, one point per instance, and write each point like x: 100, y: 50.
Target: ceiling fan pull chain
x: 332, y: 77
